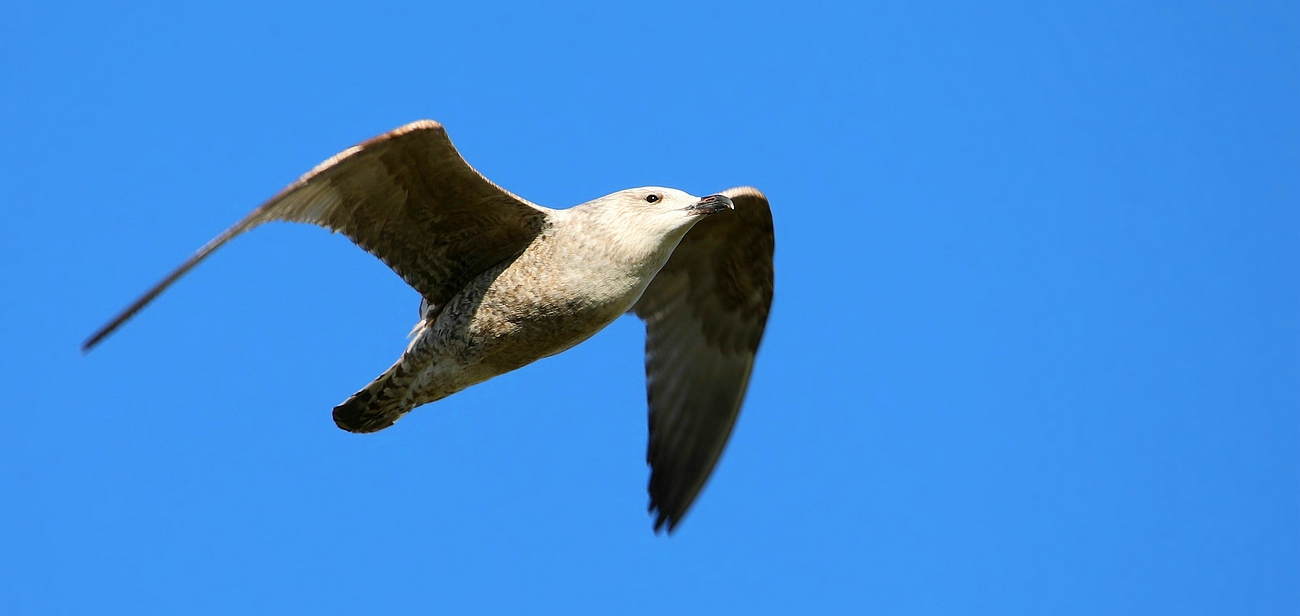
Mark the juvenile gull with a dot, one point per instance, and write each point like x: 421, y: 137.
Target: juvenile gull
x: 506, y: 282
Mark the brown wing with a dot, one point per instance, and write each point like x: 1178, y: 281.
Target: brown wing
x: 704, y: 313
x: 406, y: 197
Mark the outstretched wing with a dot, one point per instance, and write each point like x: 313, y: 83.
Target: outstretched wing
x: 704, y: 313
x: 406, y: 197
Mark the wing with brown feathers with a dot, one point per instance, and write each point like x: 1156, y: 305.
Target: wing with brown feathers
x: 406, y: 197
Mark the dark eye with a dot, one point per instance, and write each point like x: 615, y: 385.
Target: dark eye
x: 652, y: 198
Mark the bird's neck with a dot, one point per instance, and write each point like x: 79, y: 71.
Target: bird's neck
x: 612, y: 261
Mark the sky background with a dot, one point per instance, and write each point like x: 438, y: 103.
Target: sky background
x: 1035, y: 346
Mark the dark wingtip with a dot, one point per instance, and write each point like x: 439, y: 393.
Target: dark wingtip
x: 663, y: 521
x: 104, y: 331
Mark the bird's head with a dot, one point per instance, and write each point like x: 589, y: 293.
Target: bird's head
x: 654, y: 211
x: 648, y: 222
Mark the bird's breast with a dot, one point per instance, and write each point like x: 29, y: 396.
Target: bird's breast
x: 539, y: 305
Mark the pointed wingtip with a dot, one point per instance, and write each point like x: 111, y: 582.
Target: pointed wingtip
x: 103, y: 332
x: 664, y: 523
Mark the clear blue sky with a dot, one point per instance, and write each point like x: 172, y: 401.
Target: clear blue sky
x: 1035, y: 347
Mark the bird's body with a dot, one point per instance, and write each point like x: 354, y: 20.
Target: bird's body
x: 506, y: 282
x: 573, y: 280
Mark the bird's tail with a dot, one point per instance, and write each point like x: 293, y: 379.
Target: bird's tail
x: 380, y: 404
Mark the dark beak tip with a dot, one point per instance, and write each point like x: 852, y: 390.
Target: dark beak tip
x: 713, y: 204
x: 719, y: 200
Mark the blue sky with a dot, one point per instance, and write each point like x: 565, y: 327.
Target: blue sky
x: 1034, y: 349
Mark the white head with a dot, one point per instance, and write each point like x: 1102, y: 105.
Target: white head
x: 645, y: 224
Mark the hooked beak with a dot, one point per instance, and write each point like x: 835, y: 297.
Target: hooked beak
x: 711, y: 204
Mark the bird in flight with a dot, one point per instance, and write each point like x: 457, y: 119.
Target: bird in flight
x: 505, y: 282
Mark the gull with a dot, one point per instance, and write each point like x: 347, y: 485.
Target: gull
x: 505, y: 282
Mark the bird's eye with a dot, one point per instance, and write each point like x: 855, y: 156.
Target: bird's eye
x: 652, y: 198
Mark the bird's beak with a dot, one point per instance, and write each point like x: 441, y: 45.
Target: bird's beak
x: 711, y: 204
